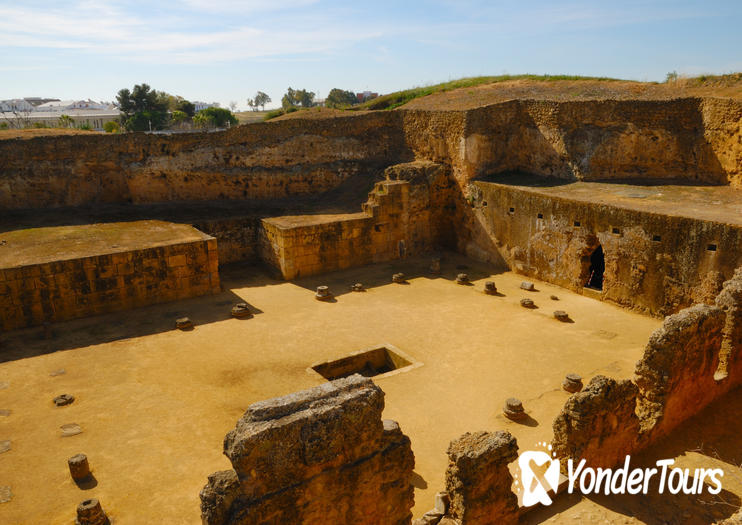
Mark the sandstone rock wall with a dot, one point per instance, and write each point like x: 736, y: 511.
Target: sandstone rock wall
x: 478, y: 481
x: 656, y: 264
x: 259, y: 161
x: 397, y: 220
x: 694, y: 139
x: 692, y: 360
x: 322, y: 455
x: 699, y: 140
x: 68, y: 289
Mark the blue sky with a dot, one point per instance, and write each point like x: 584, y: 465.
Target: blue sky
x: 226, y: 50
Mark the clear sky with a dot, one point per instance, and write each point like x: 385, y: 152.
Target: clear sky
x: 226, y: 50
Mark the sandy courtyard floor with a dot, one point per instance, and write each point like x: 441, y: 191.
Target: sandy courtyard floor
x: 154, y: 403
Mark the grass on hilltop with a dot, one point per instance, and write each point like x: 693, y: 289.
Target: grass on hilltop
x: 399, y: 98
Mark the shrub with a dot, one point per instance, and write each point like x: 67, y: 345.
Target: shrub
x: 111, y: 127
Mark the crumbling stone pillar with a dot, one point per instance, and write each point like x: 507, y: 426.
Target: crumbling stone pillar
x: 322, y: 455
x: 598, y: 424
x: 478, y: 481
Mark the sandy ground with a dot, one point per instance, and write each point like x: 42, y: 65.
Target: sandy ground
x: 154, y: 404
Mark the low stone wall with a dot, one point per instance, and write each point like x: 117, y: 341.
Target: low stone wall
x: 397, y: 221
x: 237, y: 238
x: 33, y: 294
x: 322, y: 455
x: 692, y: 360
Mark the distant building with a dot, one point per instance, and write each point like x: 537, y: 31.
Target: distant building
x: 37, y: 101
x: 16, y: 104
x: 95, y: 119
x: 35, y: 111
x: 366, y: 95
x: 203, y: 105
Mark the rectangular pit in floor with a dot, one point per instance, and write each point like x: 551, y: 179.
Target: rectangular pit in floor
x: 373, y: 362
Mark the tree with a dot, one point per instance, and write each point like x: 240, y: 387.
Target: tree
x: 214, y: 118
x: 232, y: 106
x: 296, y: 97
x: 338, y: 98
x: 260, y: 100
x: 143, y: 108
x: 186, y: 107
x: 111, y: 127
x: 65, y: 121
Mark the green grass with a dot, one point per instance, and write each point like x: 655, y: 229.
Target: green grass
x: 399, y: 98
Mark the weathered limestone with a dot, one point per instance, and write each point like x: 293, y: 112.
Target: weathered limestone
x: 322, y: 455
x: 478, y: 480
x: 598, y: 424
x: 679, y: 375
x: 399, y: 278
x: 527, y: 285
x: 676, y: 374
x: 241, y: 311
x: 90, y: 512
x: 561, y: 315
x: 79, y: 467
x: 156, y: 262
x: 64, y: 400
x: 572, y: 383
x: 183, y: 323
x: 357, y: 287
x: 490, y: 288
x: 462, y: 278
x: 513, y: 409
x: 323, y: 293
x: 527, y: 303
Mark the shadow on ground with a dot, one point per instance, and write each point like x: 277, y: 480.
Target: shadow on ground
x: 138, y: 322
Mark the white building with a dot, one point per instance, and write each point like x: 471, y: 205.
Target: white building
x: 16, y: 104
x: 203, y: 105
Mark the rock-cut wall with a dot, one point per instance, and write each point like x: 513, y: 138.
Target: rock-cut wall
x: 258, y: 161
x: 694, y: 358
x: 323, y: 455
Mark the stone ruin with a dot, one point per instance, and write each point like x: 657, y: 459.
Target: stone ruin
x: 692, y: 360
x: 325, y: 455
x: 322, y: 455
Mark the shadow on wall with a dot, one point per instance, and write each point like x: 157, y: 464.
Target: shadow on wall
x: 138, y: 322
x: 616, y: 140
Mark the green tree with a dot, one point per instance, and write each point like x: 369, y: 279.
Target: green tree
x: 65, y: 121
x: 111, y: 127
x: 338, y: 98
x: 178, y: 117
x: 214, y: 118
x: 297, y: 97
x: 186, y: 107
x: 260, y: 100
x: 143, y: 108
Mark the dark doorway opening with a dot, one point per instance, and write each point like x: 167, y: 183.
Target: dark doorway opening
x: 597, y: 267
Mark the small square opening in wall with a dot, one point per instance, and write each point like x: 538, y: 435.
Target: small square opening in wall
x: 378, y: 361
x: 616, y: 231
x: 540, y: 215
x: 656, y: 238
x: 711, y: 247
x: 577, y: 224
x: 511, y: 210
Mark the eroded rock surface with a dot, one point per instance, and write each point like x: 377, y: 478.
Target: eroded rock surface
x: 321, y: 455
